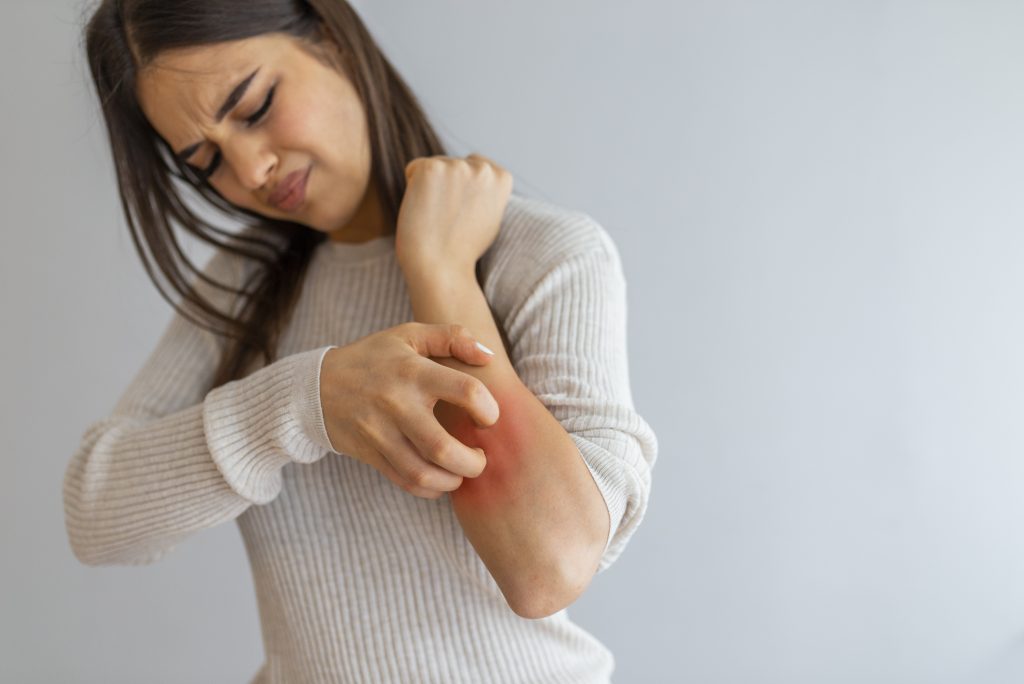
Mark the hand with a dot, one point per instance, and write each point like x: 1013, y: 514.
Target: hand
x: 451, y: 212
x: 378, y: 396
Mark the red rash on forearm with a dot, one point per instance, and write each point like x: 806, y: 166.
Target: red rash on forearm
x: 494, y: 488
x: 523, y: 512
x: 535, y: 514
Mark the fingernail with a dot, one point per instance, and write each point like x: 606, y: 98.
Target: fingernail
x: 484, y: 349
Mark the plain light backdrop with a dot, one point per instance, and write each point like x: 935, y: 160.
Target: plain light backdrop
x: 820, y: 210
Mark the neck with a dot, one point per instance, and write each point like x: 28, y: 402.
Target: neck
x: 367, y: 223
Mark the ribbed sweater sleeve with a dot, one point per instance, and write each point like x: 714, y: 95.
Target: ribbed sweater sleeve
x: 568, y: 338
x: 169, y: 461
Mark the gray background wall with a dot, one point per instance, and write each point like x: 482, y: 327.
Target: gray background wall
x: 819, y: 208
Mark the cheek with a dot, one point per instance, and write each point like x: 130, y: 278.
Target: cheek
x: 292, y: 126
x: 302, y: 121
x: 335, y: 126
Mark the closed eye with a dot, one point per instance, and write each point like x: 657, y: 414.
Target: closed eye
x: 250, y: 121
x: 258, y: 114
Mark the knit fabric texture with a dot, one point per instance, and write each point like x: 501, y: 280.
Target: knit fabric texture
x: 358, y: 581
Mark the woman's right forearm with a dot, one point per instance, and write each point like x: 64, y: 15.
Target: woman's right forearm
x: 136, y: 486
x: 132, y: 491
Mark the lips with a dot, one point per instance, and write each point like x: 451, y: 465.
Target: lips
x: 289, y: 193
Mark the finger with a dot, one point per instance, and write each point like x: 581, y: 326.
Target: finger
x: 384, y: 467
x: 413, y: 166
x: 463, y: 390
x: 437, y: 445
x: 499, y: 170
x: 411, y: 466
x: 475, y: 157
x: 416, y: 164
x: 447, y: 339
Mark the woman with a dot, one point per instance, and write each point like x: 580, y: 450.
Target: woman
x: 324, y: 386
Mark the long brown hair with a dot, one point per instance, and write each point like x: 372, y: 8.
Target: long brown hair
x: 122, y: 37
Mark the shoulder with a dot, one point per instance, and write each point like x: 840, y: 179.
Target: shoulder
x: 550, y: 230
x: 541, y: 241
x: 537, y: 235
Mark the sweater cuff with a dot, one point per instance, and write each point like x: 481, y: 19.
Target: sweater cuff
x: 307, y: 399
x: 257, y: 424
x: 623, y: 478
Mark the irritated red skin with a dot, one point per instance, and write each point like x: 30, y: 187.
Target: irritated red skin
x: 535, y: 515
x: 494, y: 489
x: 524, y: 514
x: 504, y: 527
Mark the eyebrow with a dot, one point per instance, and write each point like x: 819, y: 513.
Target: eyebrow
x: 233, y: 98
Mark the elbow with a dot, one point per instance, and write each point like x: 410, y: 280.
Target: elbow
x: 96, y: 555
x: 536, y: 611
x: 81, y: 533
x: 556, y: 585
x: 95, y: 547
x: 542, y: 598
x: 86, y: 555
x: 78, y: 534
x: 537, y: 604
x: 85, y: 550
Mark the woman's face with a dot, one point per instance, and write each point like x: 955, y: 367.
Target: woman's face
x: 260, y: 112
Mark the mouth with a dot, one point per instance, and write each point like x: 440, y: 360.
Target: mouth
x: 289, y: 194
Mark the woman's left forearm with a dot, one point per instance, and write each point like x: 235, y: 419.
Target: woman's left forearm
x: 534, y: 515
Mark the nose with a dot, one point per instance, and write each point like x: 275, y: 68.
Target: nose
x: 253, y: 162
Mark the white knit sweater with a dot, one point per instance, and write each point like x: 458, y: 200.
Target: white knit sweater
x: 358, y: 581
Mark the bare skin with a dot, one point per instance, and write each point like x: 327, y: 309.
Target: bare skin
x: 537, y: 519
x: 316, y: 120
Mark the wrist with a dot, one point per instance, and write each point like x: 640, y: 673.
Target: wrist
x: 438, y: 274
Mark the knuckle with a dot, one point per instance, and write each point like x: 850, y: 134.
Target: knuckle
x: 391, y: 475
x: 390, y: 404
x: 420, y: 164
x: 409, y: 331
x: 363, y: 423
x: 441, y: 452
x: 425, y: 493
x: 471, y: 388
x: 419, y: 477
x: 438, y: 449
x: 406, y: 369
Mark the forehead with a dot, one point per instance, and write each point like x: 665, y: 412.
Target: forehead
x: 181, y: 90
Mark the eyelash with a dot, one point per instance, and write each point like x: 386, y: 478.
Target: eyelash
x: 252, y: 120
